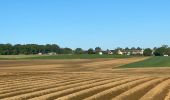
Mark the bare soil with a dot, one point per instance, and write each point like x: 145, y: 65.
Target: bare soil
x: 90, y: 79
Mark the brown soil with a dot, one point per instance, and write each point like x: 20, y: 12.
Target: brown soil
x: 81, y: 79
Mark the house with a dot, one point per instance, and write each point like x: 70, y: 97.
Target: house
x: 40, y: 53
x: 165, y: 55
x: 120, y: 52
x: 51, y: 53
x: 137, y: 52
x: 100, y: 53
x: 130, y: 52
x: 109, y: 52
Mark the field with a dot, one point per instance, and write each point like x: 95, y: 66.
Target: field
x: 82, y: 56
x: 151, y: 62
x: 77, y: 79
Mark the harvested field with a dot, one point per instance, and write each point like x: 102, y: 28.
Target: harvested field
x: 94, y: 79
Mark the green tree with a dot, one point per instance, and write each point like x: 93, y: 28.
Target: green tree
x: 6, y: 49
x: 90, y: 51
x: 133, y: 48
x: 138, y: 48
x: 127, y: 48
x: 165, y: 46
x: 97, y: 50
x: 78, y: 51
x: 66, y: 51
x: 167, y: 51
x: 160, y: 51
x: 147, y: 52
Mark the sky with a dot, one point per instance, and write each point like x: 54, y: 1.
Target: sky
x: 86, y: 23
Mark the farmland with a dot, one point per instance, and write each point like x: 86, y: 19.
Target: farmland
x: 157, y: 61
x: 77, y: 79
x: 64, y: 56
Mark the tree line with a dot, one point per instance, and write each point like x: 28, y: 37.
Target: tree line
x: 8, y: 49
x: 164, y: 50
x: 27, y: 49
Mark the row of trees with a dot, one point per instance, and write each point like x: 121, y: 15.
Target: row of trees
x: 8, y: 49
x: 161, y: 51
x: 89, y: 51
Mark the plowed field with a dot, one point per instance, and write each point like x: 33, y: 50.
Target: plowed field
x: 97, y: 79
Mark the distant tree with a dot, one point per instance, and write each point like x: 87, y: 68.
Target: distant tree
x: 52, y: 48
x: 17, y: 49
x: 90, y: 51
x: 66, y: 51
x: 97, y: 50
x: 119, y: 48
x: 133, y: 48
x: 6, y: 49
x: 165, y: 46
x: 154, y: 48
x: 168, y: 51
x: 147, y: 52
x: 126, y: 48
x: 115, y: 51
x: 160, y: 51
x: 138, y: 48
x: 78, y: 51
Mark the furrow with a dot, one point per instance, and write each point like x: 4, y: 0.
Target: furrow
x: 114, y: 91
x: 42, y: 88
x: 73, y: 88
x: 137, y: 92
x: 167, y: 97
x: 19, y: 82
x: 91, y: 91
x: 33, y: 84
x: 45, y: 90
x: 157, y: 93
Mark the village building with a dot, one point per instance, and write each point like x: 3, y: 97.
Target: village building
x: 40, y: 53
x: 51, y: 53
x: 109, y: 52
x: 100, y: 53
x: 120, y: 52
x: 130, y: 52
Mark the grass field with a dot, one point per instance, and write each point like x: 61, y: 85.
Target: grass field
x: 150, y: 62
x: 82, y: 56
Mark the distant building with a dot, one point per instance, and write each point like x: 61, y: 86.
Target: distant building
x: 100, y: 53
x: 120, y: 52
x: 40, y: 53
x: 136, y: 52
x: 165, y: 55
x: 109, y: 52
x: 130, y: 52
x: 52, y: 53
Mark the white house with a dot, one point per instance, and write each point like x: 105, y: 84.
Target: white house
x: 52, y: 53
x: 109, y: 52
x: 39, y: 53
x: 135, y: 52
x: 130, y: 52
x: 120, y: 52
x: 165, y: 55
x: 100, y: 53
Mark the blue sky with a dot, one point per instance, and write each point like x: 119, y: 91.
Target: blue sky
x: 86, y: 23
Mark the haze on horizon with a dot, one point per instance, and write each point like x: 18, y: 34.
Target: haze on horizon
x: 86, y: 23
